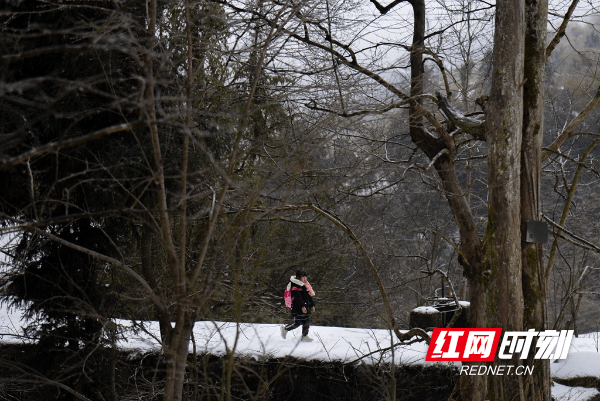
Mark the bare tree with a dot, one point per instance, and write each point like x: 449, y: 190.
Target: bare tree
x: 506, y: 278
x: 194, y: 113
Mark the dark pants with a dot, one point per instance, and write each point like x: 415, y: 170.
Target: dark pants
x: 299, y: 320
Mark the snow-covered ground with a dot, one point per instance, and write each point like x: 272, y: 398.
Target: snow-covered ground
x: 330, y: 344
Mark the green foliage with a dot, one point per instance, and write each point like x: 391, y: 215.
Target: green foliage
x: 60, y: 288
x: 66, y: 81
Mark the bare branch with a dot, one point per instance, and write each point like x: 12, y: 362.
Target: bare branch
x: 6, y: 163
x: 580, y: 241
x: 385, y: 9
x: 469, y: 125
x: 153, y: 296
x: 459, y: 308
x: 569, y: 130
x: 562, y: 29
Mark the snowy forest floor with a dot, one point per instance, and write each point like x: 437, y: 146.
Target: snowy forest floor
x: 335, y: 345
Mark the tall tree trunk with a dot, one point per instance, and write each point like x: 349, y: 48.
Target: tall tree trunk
x: 175, y: 339
x: 504, y: 138
x: 470, y: 257
x: 176, y: 349
x: 417, y: 69
x: 534, y: 287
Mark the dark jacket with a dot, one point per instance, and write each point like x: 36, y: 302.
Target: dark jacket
x: 300, y: 297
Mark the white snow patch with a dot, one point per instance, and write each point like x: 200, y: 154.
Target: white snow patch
x: 577, y: 364
x: 565, y: 393
x: 426, y: 310
x: 264, y: 340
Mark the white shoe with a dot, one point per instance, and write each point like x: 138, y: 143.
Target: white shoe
x: 306, y: 339
x: 283, y: 332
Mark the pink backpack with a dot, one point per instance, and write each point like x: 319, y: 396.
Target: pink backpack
x: 287, y: 296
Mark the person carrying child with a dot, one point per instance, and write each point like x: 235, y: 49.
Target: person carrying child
x: 302, y: 305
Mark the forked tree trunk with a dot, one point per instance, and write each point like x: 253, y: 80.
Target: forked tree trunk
x: 503, y: 267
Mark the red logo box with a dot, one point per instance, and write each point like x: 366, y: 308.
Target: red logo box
x: 463, y: 345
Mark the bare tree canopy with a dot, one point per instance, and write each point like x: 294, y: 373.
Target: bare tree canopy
x: 184, y: 157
